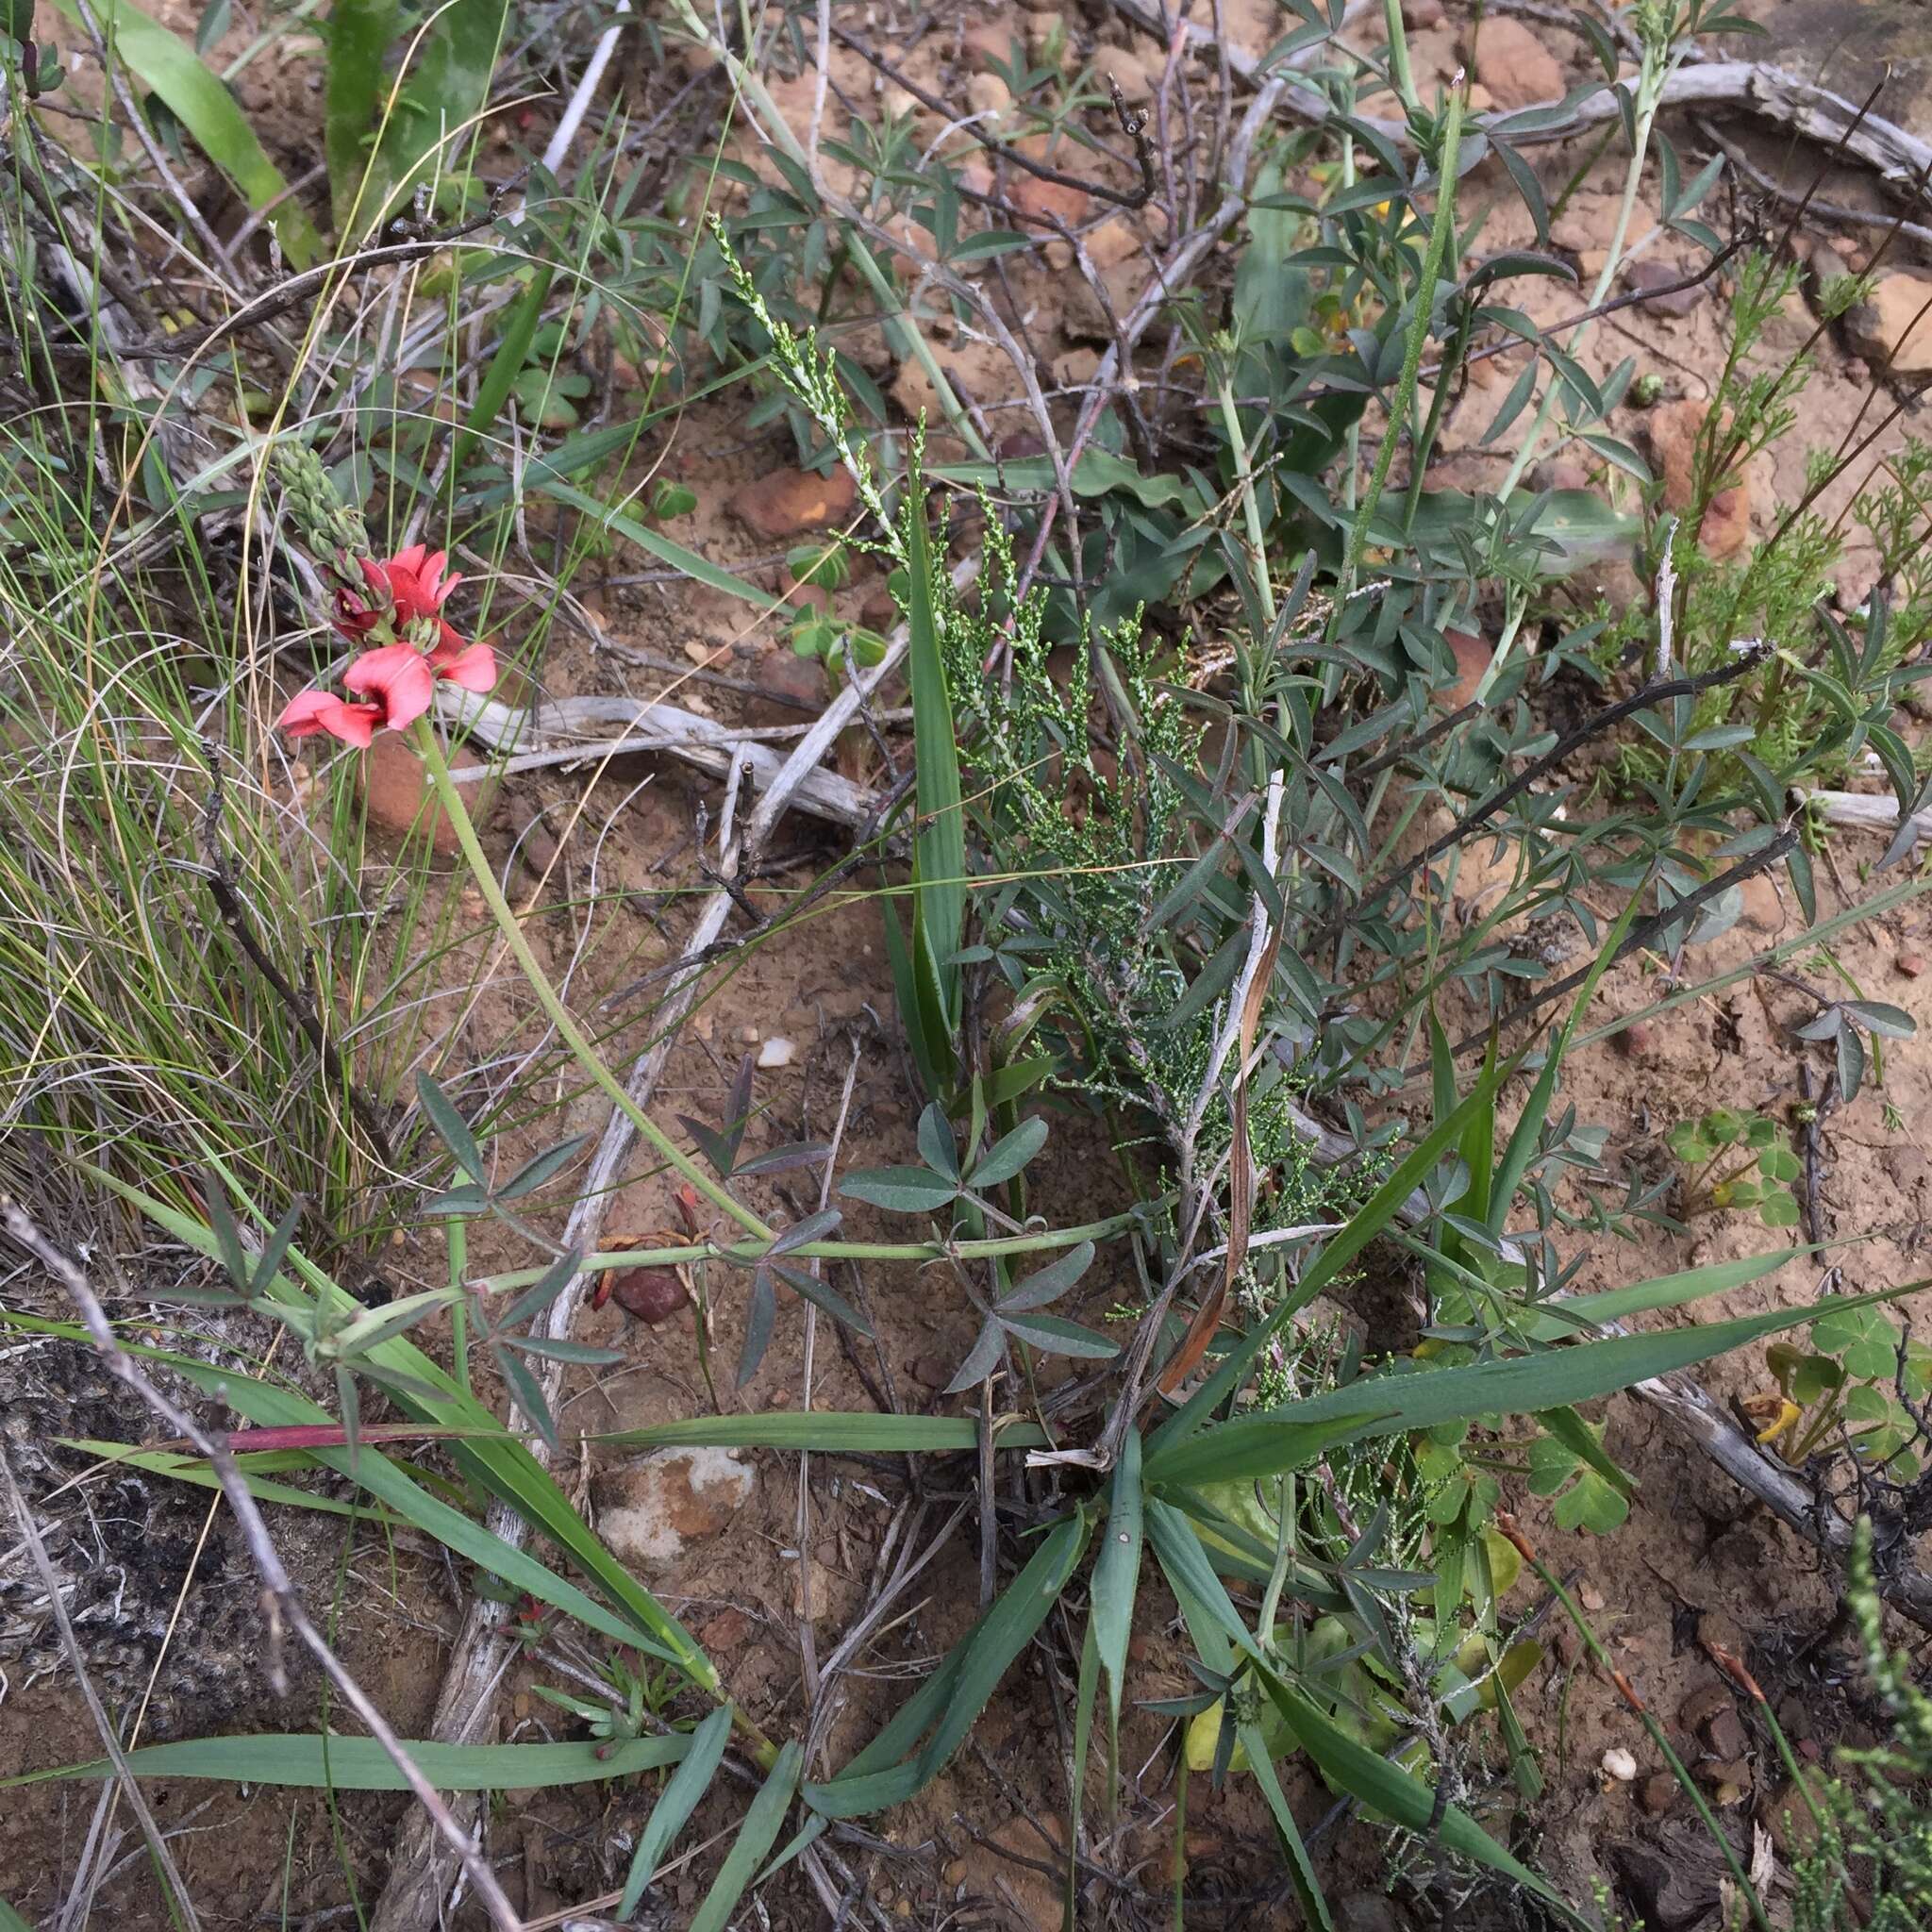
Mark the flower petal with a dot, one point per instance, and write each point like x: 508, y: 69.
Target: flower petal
x: 353, y: 723
x: 398, y: 677
x: 473, y: 669
x: 314, y: 711
x: 303, y: 717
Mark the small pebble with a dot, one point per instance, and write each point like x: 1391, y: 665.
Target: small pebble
x: 776, y: 1052
x: 1658, y: 1793
x: 1592, y: 1596
x: 1620, y: 1764
x: 1911, y: 965
x: 1636, y: 1040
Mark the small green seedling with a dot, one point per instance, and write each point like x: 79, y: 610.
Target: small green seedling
x: 1737, y: 1161
x: 1858, y: 1373
x: 822, y: 634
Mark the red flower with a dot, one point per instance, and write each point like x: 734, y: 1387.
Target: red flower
x: 411, y: 578
x: 408, y: 587
x: 471, y: 666
x: 398, y: 677
x: 322, y: 711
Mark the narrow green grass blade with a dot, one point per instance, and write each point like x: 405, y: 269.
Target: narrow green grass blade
x: 169, y: 66
x: 1117, y: 1570
x: 438, y: 102
x: 1392, y: 1793
x: 360, y: 35
x: 1258, y: 1443
x: 1076, y: 1784
x: 492, y: 1456
x: 394, y: 1486
x: 960, y: 1690
x: 756, y: 1837
x: 1218, y: 1633
x: 193, y: 1470
x: 519, y: 329
x: 1660, y: 1292
x: 361, y: 1764
x: 1529, y: 1123
x: 678, y: 1800
x: 830, y: 1431
x: 10, y: 1921
x: 939, y: 846
x: 699, y: 569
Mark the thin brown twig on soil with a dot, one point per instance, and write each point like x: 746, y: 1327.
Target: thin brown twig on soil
x: 293, y: 291
x: 1830, y: 211
x: 110, y: 1742
x: 301, y: 1009
x: 1656, y: 693
x: 1644, y: 933
x: 1631, y: 299
x: 1756, y: 88
x: 281, y: 1600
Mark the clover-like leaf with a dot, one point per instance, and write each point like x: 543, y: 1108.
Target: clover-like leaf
x: 1041, y: 1290
x: 1687, y: 1144
x: 1584, y: 1499
x: 1880, y: 1430
x: 1056, y: 1334
x: 987, y: 1353
x: 538, y: 1169
x: 451, y: 1127
x: 822, y: 1297
x: 937, y: 1146
x: 1862, y: 1338
x: 1778, y: 1208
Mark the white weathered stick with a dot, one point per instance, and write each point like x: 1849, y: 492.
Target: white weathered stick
x: 1756, y: 88
x: 565, y: 730
x: 1864, y: 811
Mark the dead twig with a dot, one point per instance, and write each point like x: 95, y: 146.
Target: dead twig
x: 1656, y: 693
x: 1644, y: 933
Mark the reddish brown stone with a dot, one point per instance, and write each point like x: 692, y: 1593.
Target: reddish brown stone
x: 788, y: 503
x: 395, y: 792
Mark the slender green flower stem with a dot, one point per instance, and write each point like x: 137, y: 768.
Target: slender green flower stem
x: 1401, y: 74
x: 451, y: 801
x: 1244, y: 482
x: 742, y: 1254
x: 450, y: 798
x: 1439, y: 232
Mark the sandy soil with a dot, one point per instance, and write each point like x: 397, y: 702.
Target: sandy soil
x: 774, y: 1583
